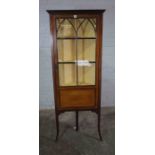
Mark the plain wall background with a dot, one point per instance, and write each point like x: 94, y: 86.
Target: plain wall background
x: 46, y: 96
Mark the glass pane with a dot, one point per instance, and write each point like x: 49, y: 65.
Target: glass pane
x: 81, y: 50
x: 66, y: 28
x: 86, y: 49
x: 67, y: 74
x: 87, y: 27
x: 66, y: 50
x: 86, y: 74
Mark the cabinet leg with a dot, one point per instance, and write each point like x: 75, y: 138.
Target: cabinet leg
x: 57, y: 126
x: 99, y: 120
x: 77, y: 120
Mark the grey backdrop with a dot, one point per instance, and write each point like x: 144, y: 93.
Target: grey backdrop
x: 108, y: 73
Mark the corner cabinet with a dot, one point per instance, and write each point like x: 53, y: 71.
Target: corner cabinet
x: 76, y: 61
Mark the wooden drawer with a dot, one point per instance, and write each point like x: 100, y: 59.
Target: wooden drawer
x: 77, y: 98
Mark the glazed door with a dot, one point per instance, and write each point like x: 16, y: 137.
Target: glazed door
x: 76, y: 44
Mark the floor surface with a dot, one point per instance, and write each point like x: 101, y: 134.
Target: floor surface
x: 85, y: 141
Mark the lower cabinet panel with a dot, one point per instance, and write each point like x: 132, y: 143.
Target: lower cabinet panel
x: 76, y: 98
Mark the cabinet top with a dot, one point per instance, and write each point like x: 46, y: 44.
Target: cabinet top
x: 75, y: 11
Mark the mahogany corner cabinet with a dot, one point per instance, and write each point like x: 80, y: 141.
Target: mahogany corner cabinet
x: 76, y: 61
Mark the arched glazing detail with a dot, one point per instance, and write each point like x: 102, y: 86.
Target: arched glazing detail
x: 80, y: 27
x: 65, y: 28
x: 87, y: 28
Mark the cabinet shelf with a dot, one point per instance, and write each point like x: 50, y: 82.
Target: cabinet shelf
x: 80, y: 85
x: 75, y: 38
x: 72, y: 62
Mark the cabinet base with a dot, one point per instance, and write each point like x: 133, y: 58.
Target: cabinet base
x: 57, y: 113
